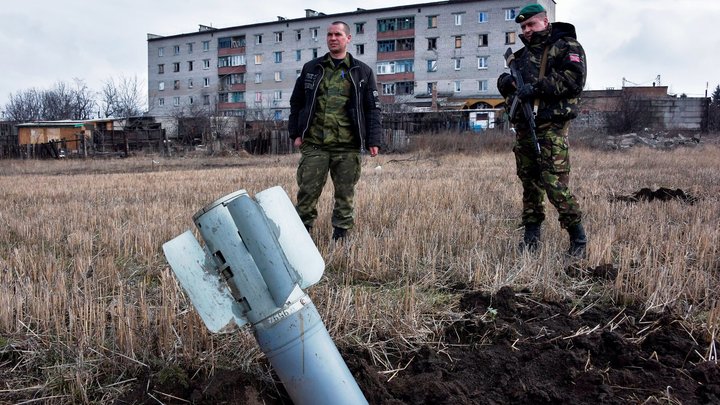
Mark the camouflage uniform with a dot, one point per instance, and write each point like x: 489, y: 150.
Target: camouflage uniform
x: 336, y: 110
x: 558, y: 94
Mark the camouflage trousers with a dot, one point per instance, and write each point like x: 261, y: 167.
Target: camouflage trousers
x: 312, y: 172
x: 549, y: 175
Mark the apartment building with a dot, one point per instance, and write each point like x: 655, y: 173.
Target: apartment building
x: 448, y: 50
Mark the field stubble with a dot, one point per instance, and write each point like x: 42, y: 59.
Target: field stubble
x: 88, y: 304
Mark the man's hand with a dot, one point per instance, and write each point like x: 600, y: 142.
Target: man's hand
x: 506, y: 84
x: 526, y: 92
x: 374, y: 151
x: 297, y: 142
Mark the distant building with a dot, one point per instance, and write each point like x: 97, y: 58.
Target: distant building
x: 441, y: 55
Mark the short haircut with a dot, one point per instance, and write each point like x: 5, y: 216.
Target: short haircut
x: 346, y: 27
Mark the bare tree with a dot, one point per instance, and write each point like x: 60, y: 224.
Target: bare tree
x: 714, y: 111
x: 25, y: 106
x: 124, y: 98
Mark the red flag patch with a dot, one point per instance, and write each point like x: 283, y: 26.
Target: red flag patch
x: 574, y: 58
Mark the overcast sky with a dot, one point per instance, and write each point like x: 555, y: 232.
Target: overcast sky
x: 47, y: 41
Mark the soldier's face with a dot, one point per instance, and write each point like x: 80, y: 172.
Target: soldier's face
x: 536, y: 23
x: 337, y: 39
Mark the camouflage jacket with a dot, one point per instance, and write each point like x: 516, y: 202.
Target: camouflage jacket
x: 565, y: 72
x: 363, y: 108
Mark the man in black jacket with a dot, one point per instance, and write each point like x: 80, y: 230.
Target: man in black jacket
x: 552, y: 64
x: 334, y: 115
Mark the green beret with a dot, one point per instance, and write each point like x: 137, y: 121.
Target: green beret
x: 529, y: 11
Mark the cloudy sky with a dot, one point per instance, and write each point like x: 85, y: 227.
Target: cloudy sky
x: 47, y: 41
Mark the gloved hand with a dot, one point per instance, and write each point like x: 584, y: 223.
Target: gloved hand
x: 506, y: 84
x: 526, y: 92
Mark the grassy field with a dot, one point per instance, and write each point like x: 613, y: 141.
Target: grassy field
x: 88, y: 302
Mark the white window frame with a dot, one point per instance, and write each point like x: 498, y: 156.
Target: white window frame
x: 388, y: 89
x: 510, y: 13
x: 483, y: 86
x: 278, y: 76
x: 278, y: 36
x: 277, y: 95
x: 161, y: 86
x: 206, y: 64
x: 258, y: 77
x: 457, y: 63
x: 206, y: 82
x: 161, y: 101
x: 258, y: 59
x: 176, y: 101
x: 432, y: 65
x: 458, y: 18
x: 161, y: 51
x: 258, y: 39
x: 483, y: 17
x: 457, y: 88
x: 482, y: 62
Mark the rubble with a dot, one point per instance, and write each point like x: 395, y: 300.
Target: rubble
x: 650, y: 139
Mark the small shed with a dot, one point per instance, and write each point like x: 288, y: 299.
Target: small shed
x: 56, y: 138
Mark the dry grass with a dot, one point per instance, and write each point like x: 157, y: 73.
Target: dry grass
x: 87, y: 301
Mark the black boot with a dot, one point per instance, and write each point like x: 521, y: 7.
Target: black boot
x: 339, y: 234
x: 531, y: 237
x: 578, y: 241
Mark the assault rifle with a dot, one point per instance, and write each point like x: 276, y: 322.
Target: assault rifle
x: 527, y: 108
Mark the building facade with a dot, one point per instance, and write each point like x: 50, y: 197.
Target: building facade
x: 450, y: 51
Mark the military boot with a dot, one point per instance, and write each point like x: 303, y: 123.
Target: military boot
x: 339, y: 234
x: 531, y: 237
x: 578, y: 241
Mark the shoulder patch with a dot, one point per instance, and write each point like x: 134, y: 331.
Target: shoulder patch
x: 574, y: 57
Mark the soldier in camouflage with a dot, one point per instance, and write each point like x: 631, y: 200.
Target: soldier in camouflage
x: 334, y: 115
x: 555, y: 96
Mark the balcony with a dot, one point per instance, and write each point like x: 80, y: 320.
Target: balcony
x: 232, y: 106
x: 408, y: 33
x: 396, y: 55
x: 396, y: 77
x: 228, y: 70
x: 240, y: 50
x: 233, y: 87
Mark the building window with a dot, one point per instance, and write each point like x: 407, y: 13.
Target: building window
x: 176, y: 49
x: 161, y: 69
x: 432, y: 44
x: 483, y: 86
x: 176, y: 66
x: 432, y: 21
x: 510, y: 14
x: 161, y: 52
x: 482, y: 16
x: 232, y: 60
x: 278, y: 36
x: 386, y: 46
x: 258, y: 77
x: 277, y: 115
x: 456, y: 63
x: 314, y: 33
x: 206, y: 46
x: 278, y: 56
x: 482, y: 62
x: 206, y: 63
x: 176, y: 85
x: 298, y: 54
x: 278, y: 76
x: 277, y: 95
x: 396, y: 24
x: 258, y: 39
x: 405, y: 88
x: 432, y: 65
x: 399, y: 66
x: 458, y: 41
x: 190, y: 83
x: 176, y: 101
x: 190, y: 47
x: 206, y: 99
x: 314, y: 53
x: 430, y: 87
x: 456, y: 86
x: 190, y: 65
x: 388, y: 89
x: 191, y: 100
x: 161, y: 86
x: 206, y: 82
x: 360, y: 49
x: 360, y: 28
x: 258, y: 59
x: 258, y: 97
x: 161, y: 101
x: 297, y: 72
x: 458, y: 18
x: 510, y: 38
x: 483, y: 40
x: 237, y: 97
x: 298, y: 34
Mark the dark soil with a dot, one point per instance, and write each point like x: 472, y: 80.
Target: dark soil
x: 511, y: 348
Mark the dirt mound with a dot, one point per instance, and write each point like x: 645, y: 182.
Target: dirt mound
x: 511, y: 348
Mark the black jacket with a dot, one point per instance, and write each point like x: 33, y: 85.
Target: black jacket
x: 363, y: 108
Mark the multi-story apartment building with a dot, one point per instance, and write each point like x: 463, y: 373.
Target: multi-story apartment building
x: 451, y: 49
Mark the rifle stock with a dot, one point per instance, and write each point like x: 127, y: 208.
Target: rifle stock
x: 526, y: 106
